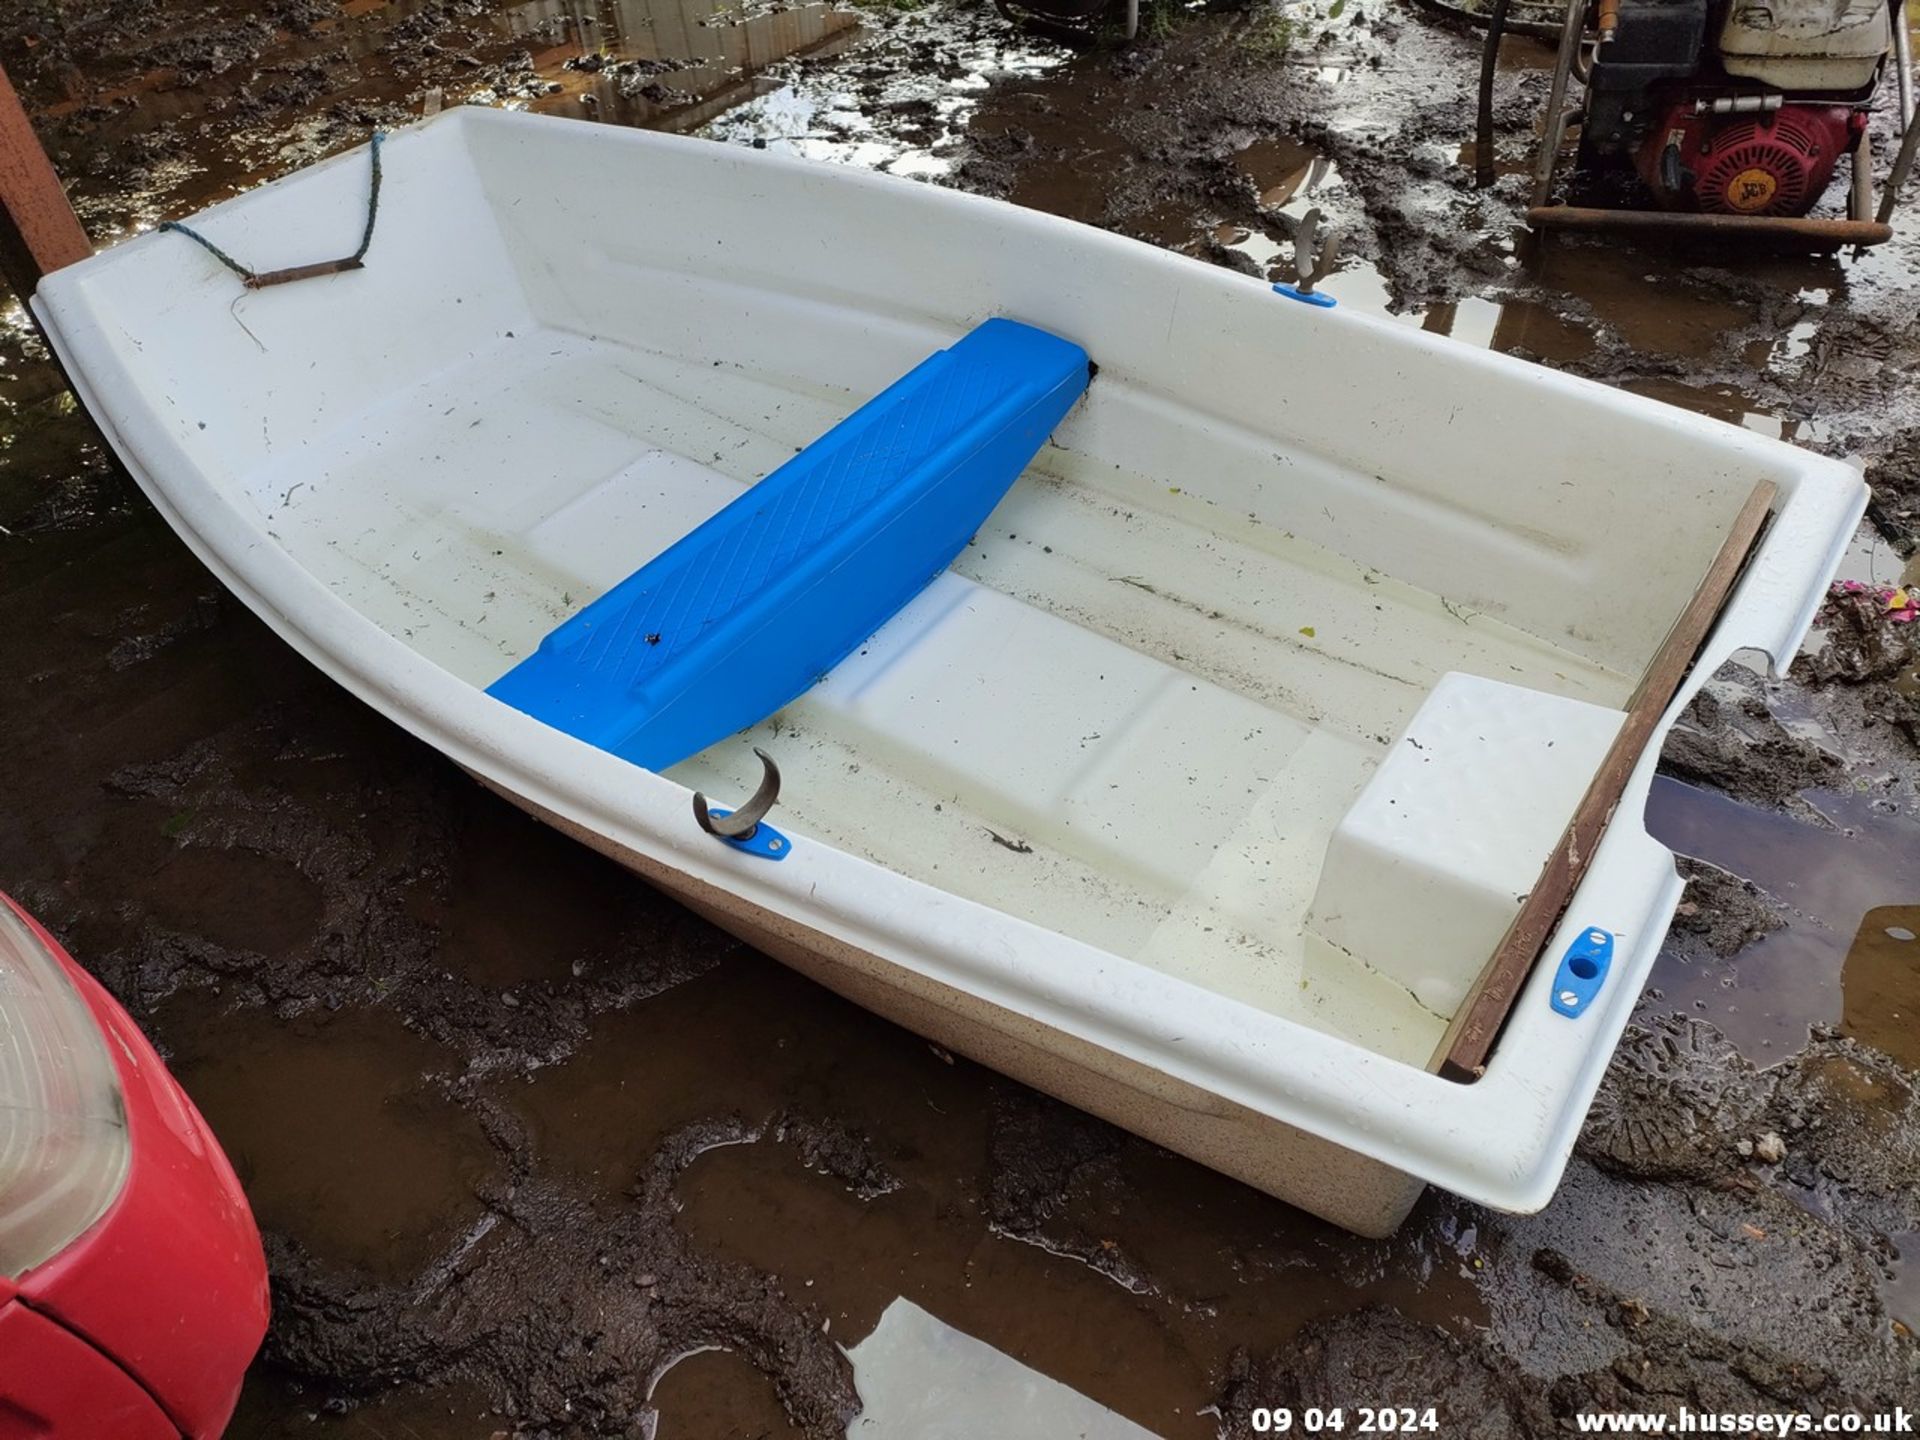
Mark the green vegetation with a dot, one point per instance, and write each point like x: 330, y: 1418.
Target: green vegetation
x: 1279, y: 28
x: 1156, y: 17
x: 1272, y: 34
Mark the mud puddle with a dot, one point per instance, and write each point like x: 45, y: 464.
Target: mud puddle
x: 1902, y: 1290
x: 760, y: 1202
x: 1881, y: 982
x: 1805, y: 790
x: 871, y: 1168
x: 666, y: 64
x: 290, y: 1411
x: 1845, y: 892
x: 338, y: 1130
x: 155, y: 113
x: 716, y: 1393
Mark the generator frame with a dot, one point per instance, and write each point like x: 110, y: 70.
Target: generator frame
x: 1865, y: 224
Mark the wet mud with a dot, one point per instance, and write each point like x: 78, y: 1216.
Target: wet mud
x: 536, y: 1152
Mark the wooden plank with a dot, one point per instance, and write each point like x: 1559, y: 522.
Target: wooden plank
x: 1462, y: 1054
x: 39, y: 233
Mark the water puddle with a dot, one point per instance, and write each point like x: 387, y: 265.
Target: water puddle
x: 266, y: 906
x: 1596, y: 290
x: 1283, y: 169
x: 913, y: 1193
x: 931, y: 1243
x: 1172, y: 1267
x: 1880, y: 983
x: 718, y: 1045
x: 333, y: 1130
x: 666, y: 64
x: 909, y: 110
x: 1901, y: 1291
x: 276, y: 1407
x: 234, y: 121
x: 527, y: 906
x: 718, y: 1395
x: 1529, y: 327
x: 1836, y: 960
x: 919, y: 1376
x: 1636, y: 295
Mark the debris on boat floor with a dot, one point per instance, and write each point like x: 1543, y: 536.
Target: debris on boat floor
x: 647, y: 1172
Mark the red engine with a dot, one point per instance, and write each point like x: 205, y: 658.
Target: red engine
x: 1773, y: 163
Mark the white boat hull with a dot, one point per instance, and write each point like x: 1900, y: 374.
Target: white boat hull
x: 1199, y: 788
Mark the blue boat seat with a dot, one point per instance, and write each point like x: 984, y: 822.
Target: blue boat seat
x: 748, y: 610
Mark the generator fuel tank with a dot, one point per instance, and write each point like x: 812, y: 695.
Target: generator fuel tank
x: 1806, y: 45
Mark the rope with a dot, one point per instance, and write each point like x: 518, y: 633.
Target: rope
x: 373, y: 197
x: 212, y: 249
x: 256, y: 280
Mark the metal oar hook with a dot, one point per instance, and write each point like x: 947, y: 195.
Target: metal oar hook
x: 1316, y: 252
x: 1316, y: 249
x: 741, y: 824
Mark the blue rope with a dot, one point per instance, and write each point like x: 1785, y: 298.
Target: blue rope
x: 254, y: 279
x: 373, y: 196
x: 212, y: 249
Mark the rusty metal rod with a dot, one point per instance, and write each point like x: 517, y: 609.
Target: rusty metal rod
x: 1903, y: 62
x: 265, y: 278
x: 1902, y: 166
x: 1484, y: 169
x: 1910, y: 118
x: 1860, y: 206
x: 1844, y: 232
x: 1556, y: 121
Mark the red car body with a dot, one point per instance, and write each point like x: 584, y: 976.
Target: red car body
x: 144, y: 1324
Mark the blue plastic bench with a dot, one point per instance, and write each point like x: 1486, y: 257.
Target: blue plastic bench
x: 749, y: 610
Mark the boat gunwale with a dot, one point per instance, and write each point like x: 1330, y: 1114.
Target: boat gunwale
x: 1503, y: 1140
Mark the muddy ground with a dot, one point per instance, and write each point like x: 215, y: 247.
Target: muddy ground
x: 538, y: 1153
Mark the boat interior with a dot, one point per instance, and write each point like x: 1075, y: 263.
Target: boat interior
x: 1210, y: 687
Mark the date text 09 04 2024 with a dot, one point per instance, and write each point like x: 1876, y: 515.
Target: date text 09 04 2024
x: 1336, y: 1420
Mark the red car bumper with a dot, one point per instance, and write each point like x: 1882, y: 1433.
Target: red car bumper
x: 145, y: 1324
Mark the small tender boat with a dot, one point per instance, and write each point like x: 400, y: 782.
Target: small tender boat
x: 1227, y: 781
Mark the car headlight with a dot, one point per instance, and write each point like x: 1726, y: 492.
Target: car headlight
x: 64, y: 1148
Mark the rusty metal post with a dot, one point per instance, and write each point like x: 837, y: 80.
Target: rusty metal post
x: 1910, y: 120
x: 1860, y: 203
x: 1902, y: 167
x: 1903, y: 63
x: 1816, y: 229
x: 39, y: 233
x: 1571, y: 33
